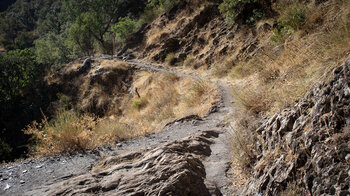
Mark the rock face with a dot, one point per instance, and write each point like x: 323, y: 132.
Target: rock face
x: 172, y: 169
x: 195, y: 29
x: 308, y: 145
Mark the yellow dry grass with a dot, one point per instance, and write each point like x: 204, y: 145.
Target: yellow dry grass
x: 280, y: 73
x: 166, y: 97
x: 163, y: 98
x: 70, y: 132
x: 274, y: 80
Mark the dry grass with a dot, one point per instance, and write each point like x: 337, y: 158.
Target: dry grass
x: 278, y: 75
x: 292, y: 190
x: 278, y: 79
x: 168, y: 97
x: 110, y: 65
x: 155, y: 35
x: 243, y: 141
x: 108, y: 112
x: 190, y: 61
x: 70, y: 131
x: 169, y: 59
x: 223, y: 68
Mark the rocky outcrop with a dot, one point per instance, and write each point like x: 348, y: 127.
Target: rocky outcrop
x: 172, y: 169
x: 194, y: 29
x: 308, y: 145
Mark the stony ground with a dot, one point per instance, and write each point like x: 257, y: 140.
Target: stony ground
x: 198, y: 146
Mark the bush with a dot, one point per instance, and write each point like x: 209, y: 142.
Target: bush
x: 139, y: 103
x: 292, y: 19
x: 67, y: 132
x: 123, y: 28
x: 51, y: 50
x: 70, y: 131
x: 189, y: 61
x: 17, y: 71
x: 249, y: 11
x: 162, y: 5
x: 5, y: 150
x: 169, y: 59
x: 243, y: 140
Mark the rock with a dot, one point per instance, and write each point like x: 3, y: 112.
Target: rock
x: 7, y: 187
x: 85, y: 66
x: 185, y: 119
x: 312, y: 139
x: 39, y: 166
x: 172, y: 169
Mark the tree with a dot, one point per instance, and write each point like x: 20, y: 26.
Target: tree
x: 123, y: 28
x: 51, y: 50
x: 80, y: 37
x: 17, y: 71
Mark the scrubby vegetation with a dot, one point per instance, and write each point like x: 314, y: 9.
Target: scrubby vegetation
x: 71, y: 131
x: 37, y: 36
x: 86, y: 124
x: 247, y: 11
x: 304, y: 44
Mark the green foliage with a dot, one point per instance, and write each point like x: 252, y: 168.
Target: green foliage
x: 170, y: 58
x: 232, y: 8
x: 155, y: 8
x: 17, y: 70
x: 292, y: 19
x: 139, y: 103
x: 80, y: 34
x: 51, y: 49
x: 163, y: 5
x: 5, y: 150
x: 123, y: 28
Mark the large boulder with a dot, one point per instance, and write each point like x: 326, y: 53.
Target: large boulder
x: 172, y: 169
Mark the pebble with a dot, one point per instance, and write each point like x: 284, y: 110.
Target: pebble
x: 7, y: 187
x: 347, y: 158
x: 39, y: 166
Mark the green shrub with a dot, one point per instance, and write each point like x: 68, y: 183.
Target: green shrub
x: 170, y: 58
x: 123, y: 28
x: 162, y: 5
x: 292, y: 19
x: 51, y: 50
x: 139, y: 103
x: 189, y: 61
x: 17, y: 71
x: 250, y: 10
x: 5, y: 150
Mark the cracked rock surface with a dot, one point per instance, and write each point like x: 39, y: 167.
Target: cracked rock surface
x: 308, y: 144
x: 172, y: 169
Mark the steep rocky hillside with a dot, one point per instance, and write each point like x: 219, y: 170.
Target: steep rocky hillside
x: 196, y: 104
x: 306, y: 149
x: 197, y: 29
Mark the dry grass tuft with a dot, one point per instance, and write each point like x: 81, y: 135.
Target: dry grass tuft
x: 292, y: 190
x: 255, y: 101
x: 244, y: 140
x: 70, y: 131
x: 168, y: 97
x: 169, y: 59
x: 224, y: 68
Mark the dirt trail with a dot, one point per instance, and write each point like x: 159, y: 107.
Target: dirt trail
x: 18, y: 178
